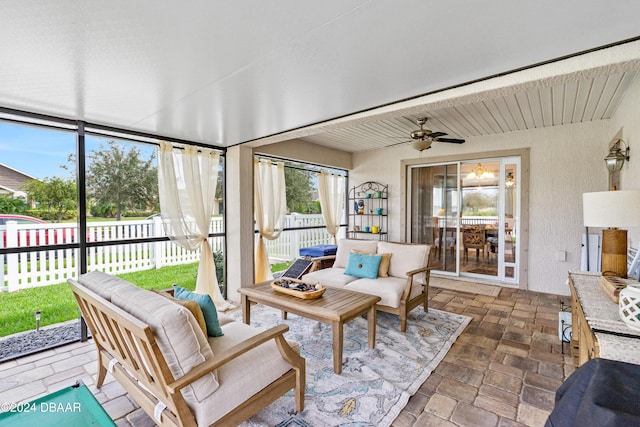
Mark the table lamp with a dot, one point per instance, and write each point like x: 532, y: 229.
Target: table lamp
x: 612, y: 209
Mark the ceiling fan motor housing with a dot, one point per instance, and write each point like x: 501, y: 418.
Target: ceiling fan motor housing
x: 420, y: 134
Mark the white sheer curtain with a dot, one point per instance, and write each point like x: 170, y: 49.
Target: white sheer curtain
x: 187, y: 187
x: 270, y: 207
x: 331, y: 189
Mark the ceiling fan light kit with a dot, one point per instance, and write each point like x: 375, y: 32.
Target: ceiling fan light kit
x: 422, y: 144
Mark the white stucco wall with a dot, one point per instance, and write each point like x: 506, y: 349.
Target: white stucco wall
x: 626, y: 117
x: 566, y: 161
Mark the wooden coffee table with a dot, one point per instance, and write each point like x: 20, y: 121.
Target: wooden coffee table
x: 335, y: 307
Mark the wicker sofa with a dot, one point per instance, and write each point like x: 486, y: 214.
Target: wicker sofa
x: 157, y: 350
x: 405, y: 288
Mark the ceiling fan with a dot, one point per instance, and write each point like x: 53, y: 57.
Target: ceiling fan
x: 422, y: 138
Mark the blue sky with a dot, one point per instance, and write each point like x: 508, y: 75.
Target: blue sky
x: 40, y: 152
x: 35, y: 151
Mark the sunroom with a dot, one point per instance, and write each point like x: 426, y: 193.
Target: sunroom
x: 519, y: 105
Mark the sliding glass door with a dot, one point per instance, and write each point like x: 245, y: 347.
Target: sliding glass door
x: 434, y: 212
x: 469, y: 212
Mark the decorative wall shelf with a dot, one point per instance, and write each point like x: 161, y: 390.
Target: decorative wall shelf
x: 368, y: 211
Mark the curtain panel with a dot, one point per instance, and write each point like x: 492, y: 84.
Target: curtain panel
x: 270, y: 207
x: 331, y: 191
x: 187, y: 180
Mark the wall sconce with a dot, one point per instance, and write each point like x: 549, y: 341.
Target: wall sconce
x: 616, y: 157
x: 509, y: 180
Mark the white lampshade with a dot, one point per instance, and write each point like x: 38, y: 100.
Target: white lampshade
x: 620, y: 209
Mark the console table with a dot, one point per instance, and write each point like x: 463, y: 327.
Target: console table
x: 597, y: 330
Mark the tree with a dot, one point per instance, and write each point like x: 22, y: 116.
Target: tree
x: 119, y: 177
x: 56, y: 195
x: 299, y: 190
x: 476, y: 201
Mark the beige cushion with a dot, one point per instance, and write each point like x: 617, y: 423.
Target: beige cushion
x: 389, y: 289
x: 406, y: 257
x: 330, y: 277
x: 103, y: 284
x: 224, y: 319
x: 178, y: 335
x: 192, y: 306
x: 345, y: 246
x: 383, y: 268
x: 244, y: 376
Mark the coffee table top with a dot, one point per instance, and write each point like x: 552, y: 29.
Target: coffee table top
x: 335, y: 304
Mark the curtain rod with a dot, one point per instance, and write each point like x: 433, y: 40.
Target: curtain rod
x: 260, y: 156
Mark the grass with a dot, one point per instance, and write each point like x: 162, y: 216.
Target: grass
x: 58, y: 305
x: 281, y: 266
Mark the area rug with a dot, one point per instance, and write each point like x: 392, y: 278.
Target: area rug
x: 464, y: 286
x: 375, y: 384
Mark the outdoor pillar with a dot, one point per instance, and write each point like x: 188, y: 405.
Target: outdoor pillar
x: 239, y: 219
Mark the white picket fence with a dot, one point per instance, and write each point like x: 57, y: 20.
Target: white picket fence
x: 42, y: 268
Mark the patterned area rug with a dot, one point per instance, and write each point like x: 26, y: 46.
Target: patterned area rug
x: 375, y: 383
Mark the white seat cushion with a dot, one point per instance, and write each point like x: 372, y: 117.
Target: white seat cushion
x: 389, y: 289
x: 330, y: 277
x: 406, y: 257
x: 103, y: 284
x: 346, y: 245
x: 178, y: 335
x: 244, y: 376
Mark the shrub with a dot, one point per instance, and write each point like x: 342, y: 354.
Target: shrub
x: 133, y: 214
x: 218, y: 259
x: 48, y: 215
x: 103, y: 211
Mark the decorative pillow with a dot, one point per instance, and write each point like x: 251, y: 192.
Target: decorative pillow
x: 363, y: 266
x: 383, y: 269
x: 190, y: 305
x: 206, y: 305
x: 346, y: 245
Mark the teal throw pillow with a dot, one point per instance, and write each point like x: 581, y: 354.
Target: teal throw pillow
x: 206, y: 305
x: 363, y: 266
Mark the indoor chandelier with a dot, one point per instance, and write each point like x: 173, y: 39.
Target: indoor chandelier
x: 480, y: 172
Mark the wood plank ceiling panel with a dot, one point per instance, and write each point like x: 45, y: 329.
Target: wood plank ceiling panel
x: 542, y: 106
x: 625, y: 81
x: 514, y: 110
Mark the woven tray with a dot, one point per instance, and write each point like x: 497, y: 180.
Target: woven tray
x: 311, y: 294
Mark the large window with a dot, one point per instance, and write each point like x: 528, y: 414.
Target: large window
x: 76, y: 199
x: 304, y: 223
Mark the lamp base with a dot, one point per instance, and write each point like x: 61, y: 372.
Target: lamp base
x: 614, y: 252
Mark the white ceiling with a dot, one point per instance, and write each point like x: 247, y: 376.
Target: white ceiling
x: 223, y: 73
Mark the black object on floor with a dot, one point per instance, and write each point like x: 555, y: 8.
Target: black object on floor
x: 601, y: 393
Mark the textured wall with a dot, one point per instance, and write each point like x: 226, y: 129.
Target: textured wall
x: 566, y: 161
x: 626, y: 117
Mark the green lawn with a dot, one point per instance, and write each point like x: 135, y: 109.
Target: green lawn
x: 58, y: 305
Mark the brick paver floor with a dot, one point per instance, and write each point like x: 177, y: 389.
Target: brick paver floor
x: 502, y: 371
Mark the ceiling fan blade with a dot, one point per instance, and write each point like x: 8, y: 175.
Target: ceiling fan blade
x: 398, y: 143
x: 453, y: 140
x: 436, y: 134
